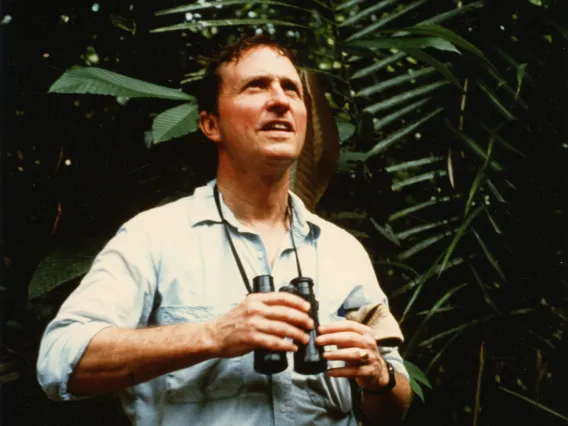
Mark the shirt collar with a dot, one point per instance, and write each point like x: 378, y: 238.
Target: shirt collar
x: 205, y: 210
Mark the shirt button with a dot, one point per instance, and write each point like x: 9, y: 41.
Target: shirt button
x: 282, y: 408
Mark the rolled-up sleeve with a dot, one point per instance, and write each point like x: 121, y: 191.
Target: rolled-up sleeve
x: 368, y: 291
x: 116, y: 292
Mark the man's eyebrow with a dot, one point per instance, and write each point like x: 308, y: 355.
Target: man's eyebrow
x: 266, y: 77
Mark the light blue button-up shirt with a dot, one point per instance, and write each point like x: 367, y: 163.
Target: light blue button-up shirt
x: 173, y: 264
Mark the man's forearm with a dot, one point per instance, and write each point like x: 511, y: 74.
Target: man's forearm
x: 117, y: 358
x: 388, y: 409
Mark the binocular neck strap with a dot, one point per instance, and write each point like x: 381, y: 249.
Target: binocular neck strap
x: 234, y: 250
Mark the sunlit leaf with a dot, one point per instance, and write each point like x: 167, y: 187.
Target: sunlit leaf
x: 99, y: 81
x: 412, y: 164
x: 386, y: 231
x: 417, y: 207
x: 345, y: 129
x: 175, y: 122
x: 424, y: 227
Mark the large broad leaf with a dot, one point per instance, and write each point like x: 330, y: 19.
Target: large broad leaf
x: 319, y: 157
x: 175, y: 122
x: 65, y: 263
x: 98, y: 81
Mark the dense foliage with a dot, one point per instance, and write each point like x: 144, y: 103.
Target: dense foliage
x: 453, y: 141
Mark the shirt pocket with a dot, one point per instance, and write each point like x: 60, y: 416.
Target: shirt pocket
x: 217, y: 378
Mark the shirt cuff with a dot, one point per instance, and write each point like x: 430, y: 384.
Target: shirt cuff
x: 58, y: 360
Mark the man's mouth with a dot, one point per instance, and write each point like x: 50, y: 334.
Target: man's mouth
x: 277, y: 125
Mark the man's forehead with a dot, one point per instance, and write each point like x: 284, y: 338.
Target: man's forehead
x: 265, y: 61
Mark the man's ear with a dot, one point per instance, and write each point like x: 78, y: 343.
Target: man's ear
x: 209, y: 125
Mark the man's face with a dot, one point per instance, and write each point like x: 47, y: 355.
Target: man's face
x: 261, y: 111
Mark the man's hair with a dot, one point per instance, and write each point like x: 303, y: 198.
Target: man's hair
x: 210, y: 85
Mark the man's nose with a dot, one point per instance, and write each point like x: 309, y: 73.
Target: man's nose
x: 278, y: 101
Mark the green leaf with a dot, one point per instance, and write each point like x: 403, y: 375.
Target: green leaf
x: 377, y: 66
x: 495, y: 100
x: 222, y: 3
x: 412, y: 164
x: 349, y: 160
x: 489, y: 256
x: 349, y: 4
x: 225, y: 23
x: 175, y: 122
x: 379, y: 123
x: 99, y: 81
x: 457, y: 329
x: 404, y: 97
x: 394, y: 82
x: 65, y: 263
x: 465, y: 225
x: 386, y: 231
x: 403, y: 43
x: 429, y: 176
x: 477, y: 406
x: 425, y: 227
x: 401, y: 133
x: 483, y: 289
x: 479, y: 178
x: 520, y: 76
x: 416, y: 388
x: 443, y: 69
x: 422, y: 245
x: 446, y: 34
x: 417, y: 374
x: 535, y: 403
x: 445, y: 16
x: 365, y: 12
x: 369, y: 29
x: 346, y: 129
x: 417, y: 207
x: 474, y: 146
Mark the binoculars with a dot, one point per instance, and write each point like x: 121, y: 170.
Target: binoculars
x: 308, y: 359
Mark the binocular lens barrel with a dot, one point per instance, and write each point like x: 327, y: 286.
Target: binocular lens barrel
x: 265, y: 361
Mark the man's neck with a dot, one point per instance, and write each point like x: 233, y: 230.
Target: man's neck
x: 256, y: 200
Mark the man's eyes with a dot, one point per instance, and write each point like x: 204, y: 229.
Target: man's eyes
x: 287, y: 86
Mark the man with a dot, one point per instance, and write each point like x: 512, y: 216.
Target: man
x: 163, y: 315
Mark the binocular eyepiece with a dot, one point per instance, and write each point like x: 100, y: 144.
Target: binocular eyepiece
x: 308, y: 359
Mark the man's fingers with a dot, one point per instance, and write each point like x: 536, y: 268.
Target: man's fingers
x: 352, y: 371
x: 289, y: 315
x: 352, y: 355
x: 282, y: 298
x: 347, y: 339
x: 282, y: 330
x: 344, y: 326
x: 273, y: 343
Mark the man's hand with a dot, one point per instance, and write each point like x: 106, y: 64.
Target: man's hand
x: 262, y: 320
x: 357, y: 347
